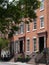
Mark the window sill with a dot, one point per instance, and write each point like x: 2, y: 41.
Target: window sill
x: 41, y: 9
x: 21, y: 33
x: 28, y: 31
x: 16, y: 34
x: 41, y: 27
x: 27, y: 51
x: 34, y: 29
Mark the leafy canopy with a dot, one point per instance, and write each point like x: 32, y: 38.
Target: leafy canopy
x: 11, y: 13
x: 3, y: 43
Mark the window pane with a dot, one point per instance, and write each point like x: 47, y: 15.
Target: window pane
x: 28, y: 44
x: 35, y: 24
x: 34, y: 44
x: 16, y: 47
x: 28, y: 27
x: 16, y: 32
x: 21, y: 28
x: 42, y: 4
x: 42, y: 21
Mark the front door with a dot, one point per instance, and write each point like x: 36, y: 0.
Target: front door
x: 21, y: 46
x: 41, y: 44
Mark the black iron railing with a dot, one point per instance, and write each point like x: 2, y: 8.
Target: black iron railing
x: 43, y: 57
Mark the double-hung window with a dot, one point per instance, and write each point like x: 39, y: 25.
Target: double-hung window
x: 21, y: 29
x: 35, y: 41
x: 28, y: 27
x: 42, y: 22
x: 34, y: 24
x: 16, y: 32
x: 28, y: 45
x: 16, y: 46
x: 42, y: 5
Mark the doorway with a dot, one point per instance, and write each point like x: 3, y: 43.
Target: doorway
x: 21, y: 46
x: 41, y: 44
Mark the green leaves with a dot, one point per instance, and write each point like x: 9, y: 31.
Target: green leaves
x: 15, y: 28
x: 3, y: 43
x: 16, y: 10
x: 28, y: 8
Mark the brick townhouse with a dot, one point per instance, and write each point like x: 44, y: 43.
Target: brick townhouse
x: 33, y: 37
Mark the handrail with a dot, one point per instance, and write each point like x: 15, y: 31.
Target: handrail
x: 38, y: 56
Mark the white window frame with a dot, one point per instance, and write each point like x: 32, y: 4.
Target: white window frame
x: 42, y: 7
x: 16, y: 32
x: 21, y: 32
x: 40, y: 22
x: 27, y: 27
x: 27, y: 45
x: 16, y: 47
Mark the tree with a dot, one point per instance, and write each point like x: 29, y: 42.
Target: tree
x: 3, y: 44
x: 11, y: 13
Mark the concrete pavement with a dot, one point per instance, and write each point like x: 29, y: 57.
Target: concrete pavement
x: 17, y: 63
x: 13, y: 63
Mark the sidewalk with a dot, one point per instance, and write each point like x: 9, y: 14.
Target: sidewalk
x: 20, y: 63
x: 17, y: 63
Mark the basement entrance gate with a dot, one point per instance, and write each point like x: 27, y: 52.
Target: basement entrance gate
x: 41, y: 44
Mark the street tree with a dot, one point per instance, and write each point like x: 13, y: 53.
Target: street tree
x: 3, y: 44
x: 12, y: 13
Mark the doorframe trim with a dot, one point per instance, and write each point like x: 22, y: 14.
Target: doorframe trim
x: 44, y: 40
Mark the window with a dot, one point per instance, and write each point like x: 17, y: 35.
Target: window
x: 28, y: 27
x: 12, y: 47
x: 28, y: 45
x: 34, y: 24
x: 42, y: 5
x: 16, y: 32
x: 21, y: 28
x: 34, y: 41
x: 41, y: 22
x: 16, y: 46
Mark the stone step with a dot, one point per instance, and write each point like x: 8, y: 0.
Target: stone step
x: 12, y: 60
x: 31, y: 61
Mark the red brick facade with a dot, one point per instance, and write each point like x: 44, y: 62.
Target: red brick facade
x: 38, y: 33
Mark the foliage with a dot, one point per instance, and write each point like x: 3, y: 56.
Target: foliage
x: 3, y: 43
x: 27, y: 56
x: 11, y: 13
x: 19, y: 57
x: 22, y: 59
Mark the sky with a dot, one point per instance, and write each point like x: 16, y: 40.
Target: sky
x: 10, y: 0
